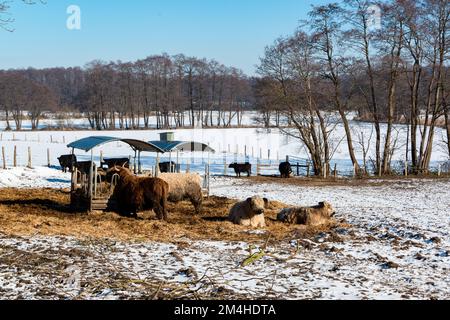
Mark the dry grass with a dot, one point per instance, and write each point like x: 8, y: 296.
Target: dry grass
x: 46, y: 212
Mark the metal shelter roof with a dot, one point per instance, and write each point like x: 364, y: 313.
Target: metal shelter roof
x: 89, y: 143
x: 183, y: 146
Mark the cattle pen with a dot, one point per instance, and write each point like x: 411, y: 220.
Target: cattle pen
x: 92, y: 190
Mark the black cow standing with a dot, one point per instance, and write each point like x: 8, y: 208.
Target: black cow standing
x: 166, y: 167
x: 285, y: 169
x: 67, y: 162
x: 119, y: 162
x: 242, y: 168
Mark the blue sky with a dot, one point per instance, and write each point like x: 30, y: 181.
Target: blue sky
x: 234, y: 32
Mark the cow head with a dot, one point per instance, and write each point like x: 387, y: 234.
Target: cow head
x: 258, y: 205
x: 113, y: 171
x: 328, y: 210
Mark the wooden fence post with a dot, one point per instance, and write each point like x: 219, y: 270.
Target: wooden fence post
x: 4, y: 158
x: 51, y: 138
x: 48, y: 158
x: 15, y: 157
x: 258, y: 168
x: 439, y: 170
x: 225, y: 167
x: 30, y: 164
x: 406, y: 168
x: 308, y: 170
x: 335, y: 170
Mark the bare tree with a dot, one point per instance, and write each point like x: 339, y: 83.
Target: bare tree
x: 326, y: 22
x: 5, y: 17
x: 290, y: 70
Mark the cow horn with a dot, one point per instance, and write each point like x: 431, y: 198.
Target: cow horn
x: 123, y: 166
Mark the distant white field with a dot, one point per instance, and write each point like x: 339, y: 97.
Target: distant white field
x: 255, y: 143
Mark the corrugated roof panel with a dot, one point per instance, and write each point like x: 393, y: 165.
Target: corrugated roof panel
x: 89, y: 143
x: 183, y: 146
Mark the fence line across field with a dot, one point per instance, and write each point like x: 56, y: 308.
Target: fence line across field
x: 220, y: 164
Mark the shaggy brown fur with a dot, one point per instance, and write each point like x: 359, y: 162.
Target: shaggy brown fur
x: 135, y: 194
x: 249, y: 213
x: 311, y: 216
x: 185, y: 186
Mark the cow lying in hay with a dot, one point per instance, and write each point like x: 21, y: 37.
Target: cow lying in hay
x: 185, y: 186
x: 135, y: 194
x: 249, y: 213
x: 311, y: 216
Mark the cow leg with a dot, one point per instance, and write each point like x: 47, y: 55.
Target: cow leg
x: 164, y: 208
x: 159, y: 212
x: 197, y: 203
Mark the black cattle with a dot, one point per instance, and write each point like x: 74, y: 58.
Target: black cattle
x: 241, y: 168
x: 164, y: 167
x: 285, y: 169
x: 67, y: 161
x: 84, y: 167
x: 119, y: 162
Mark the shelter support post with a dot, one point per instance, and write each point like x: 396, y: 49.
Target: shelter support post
x: 157, y: 165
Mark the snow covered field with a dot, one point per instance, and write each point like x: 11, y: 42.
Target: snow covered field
x: 397, y: 247
x: 234, y: 142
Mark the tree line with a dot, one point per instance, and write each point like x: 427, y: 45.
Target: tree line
x: 179, y: 91
x: 337, y: 60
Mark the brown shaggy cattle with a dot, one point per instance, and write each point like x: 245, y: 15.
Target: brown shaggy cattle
x: 311, y: 216
x: 249, y: 213
x: 135, y: 194
x: 185, y: 186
